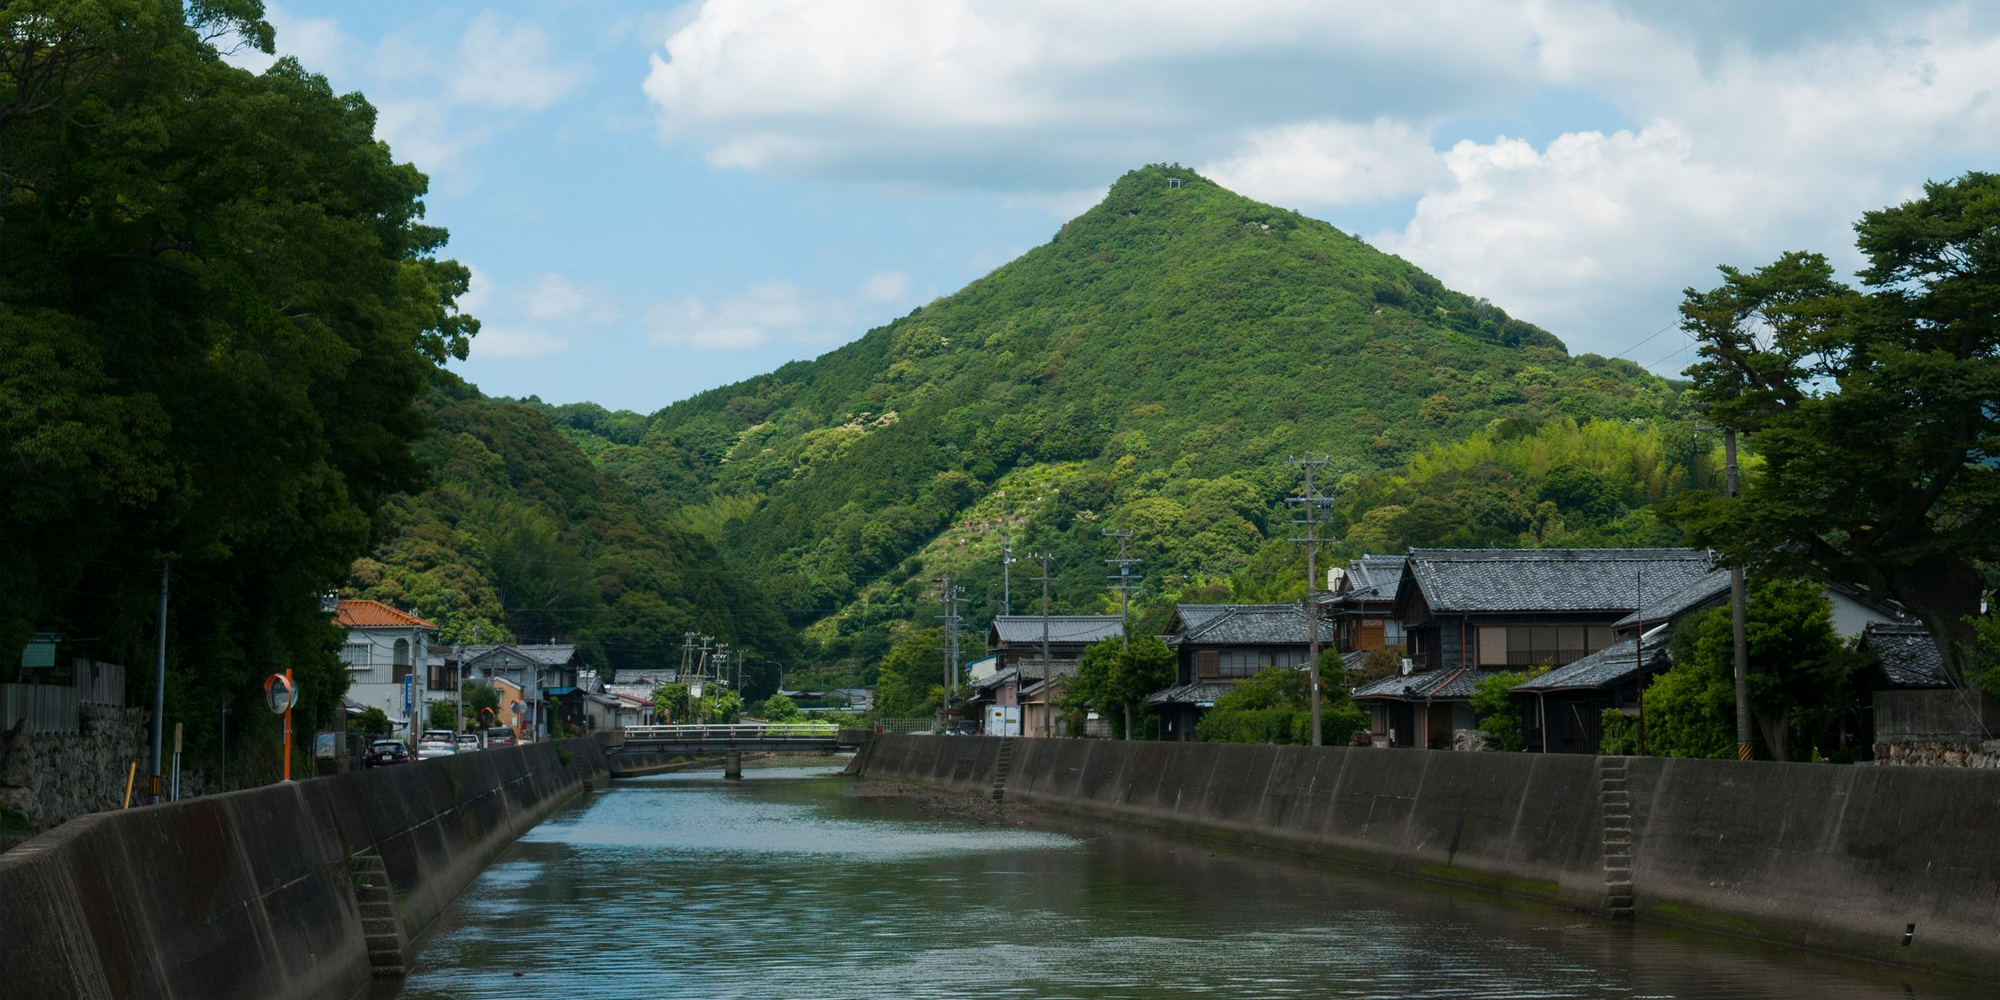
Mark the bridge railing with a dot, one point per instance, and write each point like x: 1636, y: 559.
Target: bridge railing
x: 739, y: 732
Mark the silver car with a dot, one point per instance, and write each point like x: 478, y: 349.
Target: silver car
x: 436, y: 743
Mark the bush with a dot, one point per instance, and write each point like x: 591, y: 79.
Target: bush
x: 1620, y: 734
x: 1493, y: 705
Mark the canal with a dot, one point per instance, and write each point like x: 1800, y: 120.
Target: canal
x: 786, y: 884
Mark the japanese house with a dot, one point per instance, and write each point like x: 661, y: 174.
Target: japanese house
x: 1225, y: 645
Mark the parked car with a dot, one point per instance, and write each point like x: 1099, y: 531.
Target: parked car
x: 500, y: 737
x: 467, y: 742
x: 436, y: 743
x: 383, y: 753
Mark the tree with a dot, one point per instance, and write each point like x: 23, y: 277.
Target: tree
x: 1272, y: 708
x: 443, y: 715
x: 479, y: 699
x: 372, y: 721
x: 218, y: 306
x: 1872, y: 411
x: 778, y: 708
x: 1799, y: 678
x: 1494, y: 708
x: 909, y: 683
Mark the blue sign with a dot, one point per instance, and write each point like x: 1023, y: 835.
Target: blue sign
x: 409, y: 688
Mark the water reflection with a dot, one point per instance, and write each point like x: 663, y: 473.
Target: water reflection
x: 784, y: 885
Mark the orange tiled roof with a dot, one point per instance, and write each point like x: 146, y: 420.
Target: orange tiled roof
x: 375, y: 614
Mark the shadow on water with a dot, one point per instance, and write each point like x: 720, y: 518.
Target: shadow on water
x: 784, y: 885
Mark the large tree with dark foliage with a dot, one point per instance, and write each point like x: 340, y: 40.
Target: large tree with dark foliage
x: 218, y: 304
x: 1874, y: 410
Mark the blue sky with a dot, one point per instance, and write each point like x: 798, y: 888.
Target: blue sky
x: 657, y: 199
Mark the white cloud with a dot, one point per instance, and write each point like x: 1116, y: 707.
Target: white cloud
x: 508, y: 66
x: 887, y: 286
x: 776, y: 316
x: 1026, y: 96
x: 513, y: 343
x: 1330, y: 163
x: 1744, y: 156
x: 555, y: 299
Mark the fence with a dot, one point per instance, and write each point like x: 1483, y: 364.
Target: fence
x: 100, y: 683
x: 925, y: 724
x: 46, y: 708
x: 53, y: 708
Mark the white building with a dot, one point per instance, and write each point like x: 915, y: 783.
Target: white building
x: 386, y: 654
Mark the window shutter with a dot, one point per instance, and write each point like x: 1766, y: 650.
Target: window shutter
x: 1207, y: 663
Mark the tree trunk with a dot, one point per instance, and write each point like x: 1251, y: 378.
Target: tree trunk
x: 1128, y: 720
x: 1777, y: 730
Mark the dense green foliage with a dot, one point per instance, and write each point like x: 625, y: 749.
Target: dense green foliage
x: 218, y: 304
x: 1873, y: 410
x: 1497, y: 712
x: 522, y: 538
x: 1150, y: 369
x: 1274, y: 707
x: 1801, y: 677
x: 371, y: 721
x: 777, y: 708
x: 911, y: 681
x: 677, y: 704
x: 1114, y: 678
x: 479, y: 698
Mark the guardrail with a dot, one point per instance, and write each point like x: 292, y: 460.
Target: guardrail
x: 733, y: 732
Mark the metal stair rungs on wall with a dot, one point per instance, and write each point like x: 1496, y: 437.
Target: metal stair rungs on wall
x: 379, y: 923
x: 1616, y: 802
x: 1000, y: 772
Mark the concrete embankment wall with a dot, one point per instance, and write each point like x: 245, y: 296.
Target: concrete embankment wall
x: 1838, y: 859
x: 251, y: 894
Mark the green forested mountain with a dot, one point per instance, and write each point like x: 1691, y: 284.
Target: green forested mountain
x: 519, y: 537
x: 1150, y: 368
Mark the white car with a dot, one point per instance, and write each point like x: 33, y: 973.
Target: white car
x: 436, y: 743
x: 467, y: 743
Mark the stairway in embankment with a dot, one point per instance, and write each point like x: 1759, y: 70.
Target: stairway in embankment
x: 379, y: 924
x: 1000, y: 770
x: 1616, y: 802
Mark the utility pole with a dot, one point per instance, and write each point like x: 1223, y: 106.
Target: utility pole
x: 1048, y: 705
x: 1312, y: 502
x: 949, y: 596
x: 1123, y: 581
x: 160, y: 680
x: 1738, y: 616
x: 1006, y: 575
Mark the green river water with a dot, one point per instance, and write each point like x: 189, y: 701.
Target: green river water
x: 786, y: 885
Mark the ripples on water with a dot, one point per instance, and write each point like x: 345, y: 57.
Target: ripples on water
x: 783, y: 885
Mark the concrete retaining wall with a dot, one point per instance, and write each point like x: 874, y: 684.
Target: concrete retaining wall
x: 1839, y: 859
x: 250, y: 894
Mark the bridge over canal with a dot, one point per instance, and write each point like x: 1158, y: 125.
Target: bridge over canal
x: 747, y: 737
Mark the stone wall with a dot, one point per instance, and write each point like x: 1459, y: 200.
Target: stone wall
x: 49, y: 779
x: 251, y: 894
x: 1897, y: 865
x: 1939, y: 753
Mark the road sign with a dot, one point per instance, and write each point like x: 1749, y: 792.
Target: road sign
x: 280, y: 693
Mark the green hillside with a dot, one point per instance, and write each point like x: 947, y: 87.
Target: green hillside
x: 519, y: 537
x: 1150, y: 368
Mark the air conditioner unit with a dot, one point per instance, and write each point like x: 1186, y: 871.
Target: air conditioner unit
x: 1409, y: 666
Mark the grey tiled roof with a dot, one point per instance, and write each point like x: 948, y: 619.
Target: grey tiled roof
x: 1608, y: 667
x: 1372, y: 578
x: 555, y: 654
x: 1198, y: 693
x: 1027, y: 629
x: 1908, y: 654
x: 1445, y: 684
x: 1575, y: 580
x: 1194, y: 616
x: 1256, y: 624
x: 998, y: 678
x: 1670, y: 605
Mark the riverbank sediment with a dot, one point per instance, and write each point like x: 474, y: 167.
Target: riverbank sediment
x: 1893, y: 865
